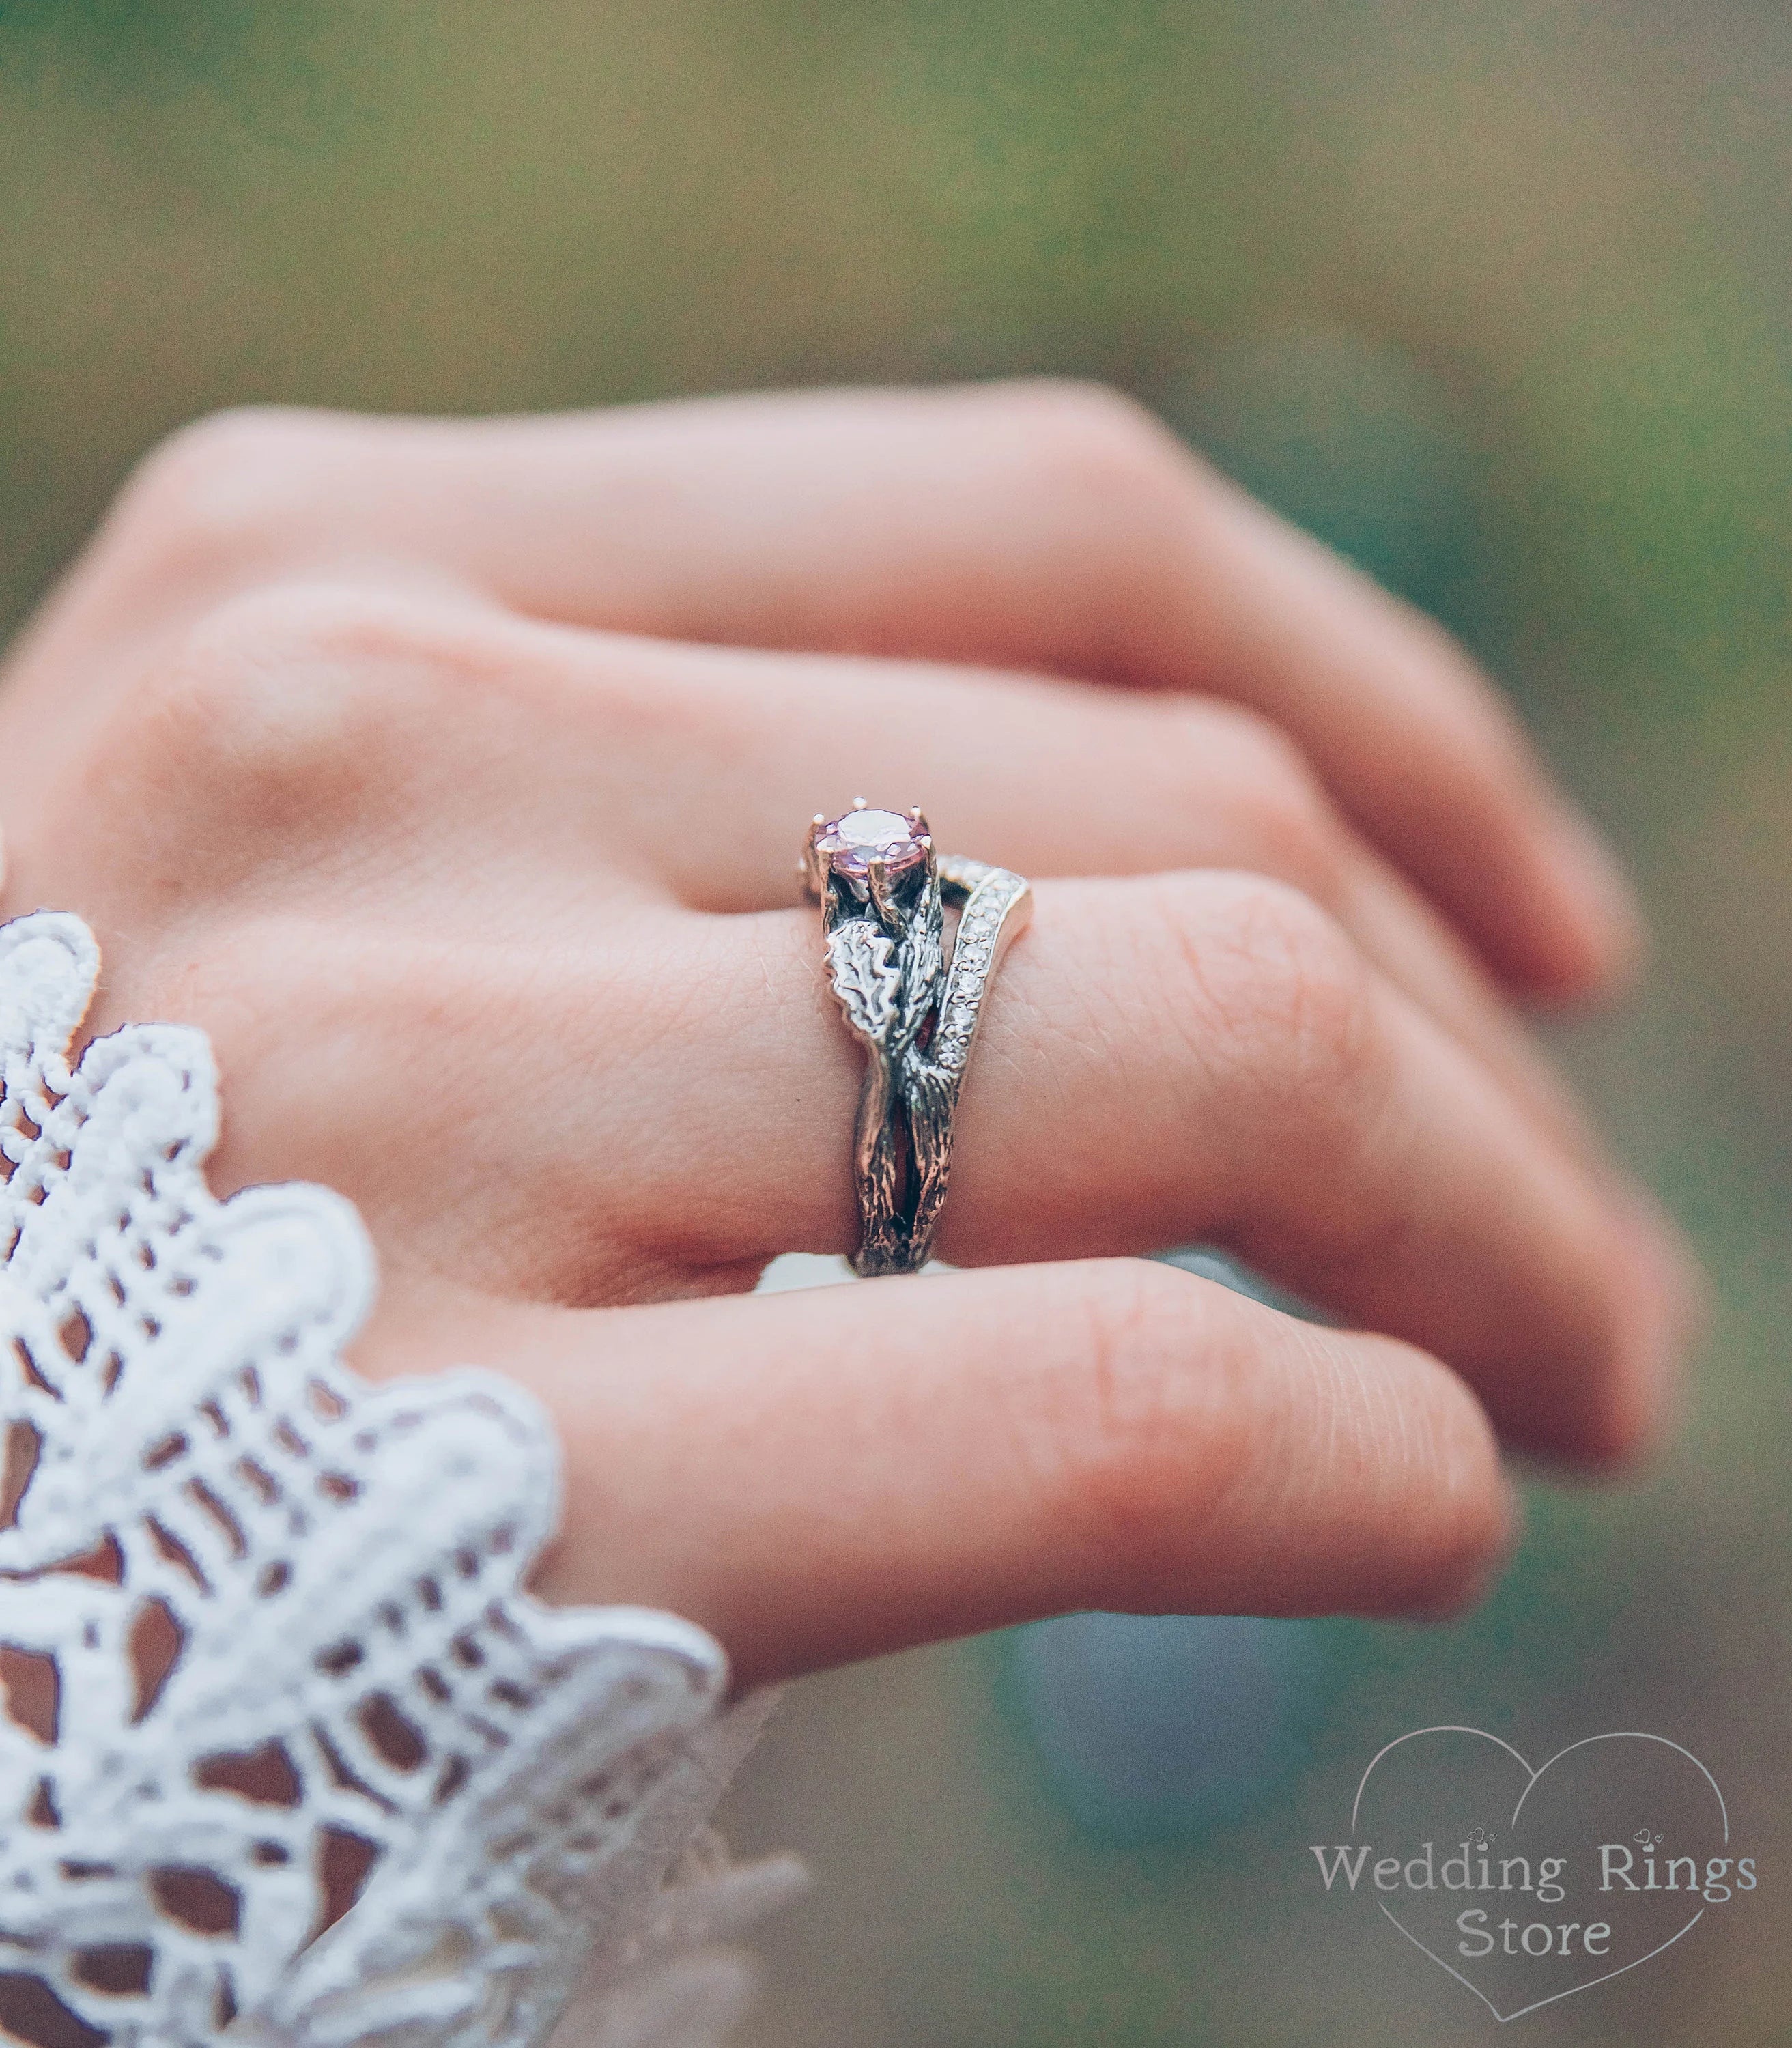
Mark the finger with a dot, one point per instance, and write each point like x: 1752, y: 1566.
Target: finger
x: 338, y: 720
x: 1047, y: 779
x: 1402, y: 936
x: 1184, y: 1058
x: 826, y: 1475
x: 1167, y: 1059
x: 1047, y: 525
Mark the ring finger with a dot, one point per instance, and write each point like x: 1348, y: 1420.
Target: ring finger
x: 1047, y: 777
x: 1198, y: 1056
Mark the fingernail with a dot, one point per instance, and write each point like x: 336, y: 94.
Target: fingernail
x: 1675, y: 1308
x: 1684, y: 1290
x: 1610, y: 913
x: 1485, y: 1572
x: 1513, y: 1502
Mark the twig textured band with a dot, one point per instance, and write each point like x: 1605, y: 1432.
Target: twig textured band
x: 883, y: 893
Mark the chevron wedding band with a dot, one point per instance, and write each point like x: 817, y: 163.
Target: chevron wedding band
x: 884, y: 893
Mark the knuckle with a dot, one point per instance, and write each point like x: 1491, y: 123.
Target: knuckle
x: 223, y: 488
x: 1150, y: 1457
x: 1127, y: 1435
x: 252, y: 972
x: 318, y: 628
x: 1264, y: 971
x: 280, y: 989
x: 284, y: 692
x: 1093, y: 440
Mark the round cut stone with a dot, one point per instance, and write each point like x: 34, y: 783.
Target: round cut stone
x: 857, y: 838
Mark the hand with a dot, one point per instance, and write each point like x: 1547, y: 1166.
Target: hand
x: 451, y: 777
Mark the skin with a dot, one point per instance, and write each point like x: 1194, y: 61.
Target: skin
x: 452, y: 774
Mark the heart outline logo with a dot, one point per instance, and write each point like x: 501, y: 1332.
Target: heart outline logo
x: 1532, y: 1777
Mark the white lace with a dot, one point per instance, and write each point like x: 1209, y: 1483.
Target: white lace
x: 288, y: 1750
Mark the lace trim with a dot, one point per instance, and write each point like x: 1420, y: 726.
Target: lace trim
x: 287, y: 1748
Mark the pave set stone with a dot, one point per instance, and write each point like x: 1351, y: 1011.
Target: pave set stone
x: 972, y: 954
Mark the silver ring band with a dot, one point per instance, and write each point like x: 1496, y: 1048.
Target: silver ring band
x: 883, y: 894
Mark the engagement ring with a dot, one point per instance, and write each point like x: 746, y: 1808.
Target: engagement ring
x: 883, y: 893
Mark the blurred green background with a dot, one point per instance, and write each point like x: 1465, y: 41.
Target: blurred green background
x: 1495, y: 297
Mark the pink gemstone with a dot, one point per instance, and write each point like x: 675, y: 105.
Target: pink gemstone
x: 857, y: 838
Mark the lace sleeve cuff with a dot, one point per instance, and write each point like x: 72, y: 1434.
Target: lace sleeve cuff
x: 287, y: 1748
